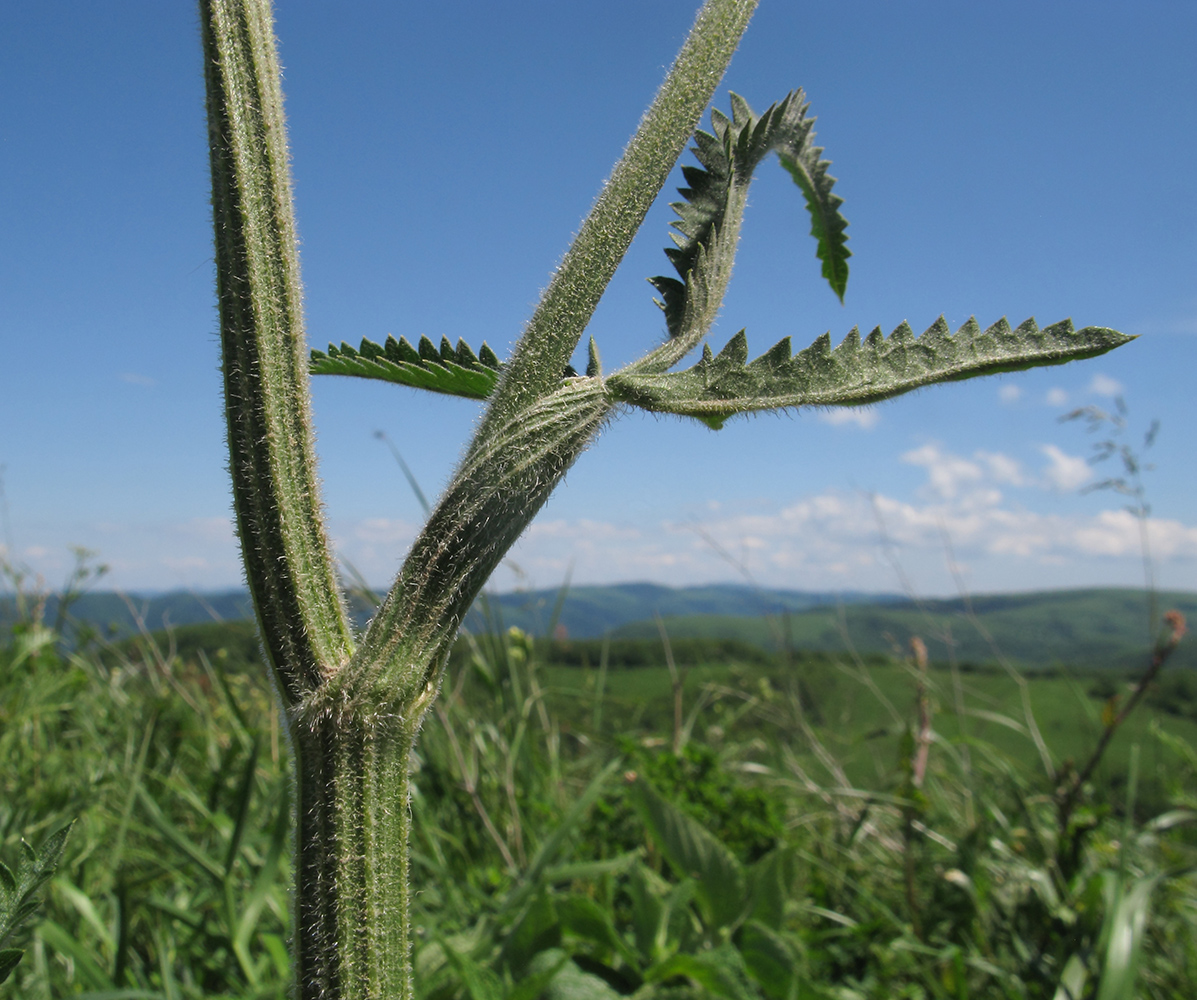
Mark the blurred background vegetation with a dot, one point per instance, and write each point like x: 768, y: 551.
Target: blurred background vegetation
x: 661, y: 814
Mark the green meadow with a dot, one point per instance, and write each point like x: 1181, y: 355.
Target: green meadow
x: 753, y: 821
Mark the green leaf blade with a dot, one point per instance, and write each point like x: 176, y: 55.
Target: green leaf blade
x: 453, y: 371
x: 827, y: 225
x: 692, y: 851
x: 856, y: 372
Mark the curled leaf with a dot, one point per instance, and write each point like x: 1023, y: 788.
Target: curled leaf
x: 708, y: 222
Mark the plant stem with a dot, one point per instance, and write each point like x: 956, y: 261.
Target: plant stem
x: 577, y: 285
x: 353, y: 714
x: 353, y: 923
x: 286, y: 552
x: 1067, y: 795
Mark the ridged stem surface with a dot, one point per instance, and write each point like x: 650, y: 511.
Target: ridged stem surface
x: 352, y: 936
x: 264, y: 353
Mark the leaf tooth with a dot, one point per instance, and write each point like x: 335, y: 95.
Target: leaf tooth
x: 938, y: 335
x: 369, y: 349
x: 792, y: 110
x: 815, y: 355
x: 428, y: 351
x: 735, y: 353
x: 447, y: 352
x: 741, y: 113
x: 594, y: 366
x: 408, y: 353
x: 488, y: 357
x: 719, y: 124
x: 708, y: 150
x: 465, y: 357
x: 970, y: 332
x: 1027, y: 328
x: 347, y: 351
x: 707, y: 357
x: 743, y: 155
x: 672, y: 301
x: 390, y: 348
x: 849, y: 347
x: 875, y: 341
x: 902, y: 337
x: 318, y: 355
x: 696, y: 177
x: 1062, y: 329
x: 999, y: 331
x: 773, y: 360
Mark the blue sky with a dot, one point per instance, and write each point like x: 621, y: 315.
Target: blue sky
x: 996, y: 159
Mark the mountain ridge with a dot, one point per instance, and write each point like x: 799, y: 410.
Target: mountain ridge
x: 1095, y: 627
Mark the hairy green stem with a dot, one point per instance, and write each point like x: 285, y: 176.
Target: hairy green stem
x: 352, y: 936
x: 535, y: 427
x: 570, y: 300
x: 286, y: 552
x: 353, y: 715
x: 494, y: 497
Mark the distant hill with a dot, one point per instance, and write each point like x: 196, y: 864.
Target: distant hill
x: 118, y: 614
x: 1100, y: 628
x: 1105, y: 628
x: 587, y: 612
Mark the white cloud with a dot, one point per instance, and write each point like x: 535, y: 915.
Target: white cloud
x: 1103, y: 385
x: 865, y: 418
x: 946, y: 473
x: 1002, y: 525
x: 1064, y: 472
x: 1056, y: 397
x: 1002, y: 468
x: 1010, y: 393
x: 836, y: 540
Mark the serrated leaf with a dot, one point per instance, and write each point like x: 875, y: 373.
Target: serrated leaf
x: 827, y: 225
x: 693, y: 852
x: 856, y: 372
x: 456, y: 371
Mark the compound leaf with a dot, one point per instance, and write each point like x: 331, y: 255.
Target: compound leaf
x: 856, y: 372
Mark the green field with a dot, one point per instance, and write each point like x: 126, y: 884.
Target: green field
x: 793, y: 770
x: 860, y: 712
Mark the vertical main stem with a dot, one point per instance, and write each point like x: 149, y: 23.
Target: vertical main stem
x: 352, y: 917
